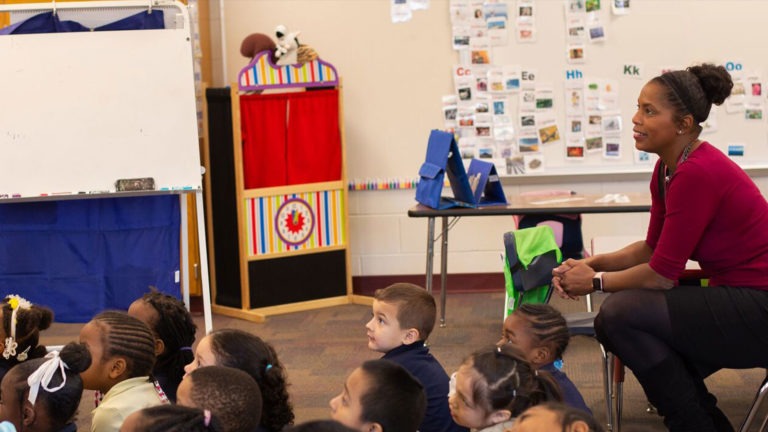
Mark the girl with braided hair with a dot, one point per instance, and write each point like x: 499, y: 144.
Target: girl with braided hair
x: 174, y: 332
x: 22, y: 322
x: 123, y: 353
x: 494, y: 385
x: 540, y: 332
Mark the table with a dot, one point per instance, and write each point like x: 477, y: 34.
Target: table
x: 517, y: 205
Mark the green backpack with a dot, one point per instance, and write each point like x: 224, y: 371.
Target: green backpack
x: 531, y: 254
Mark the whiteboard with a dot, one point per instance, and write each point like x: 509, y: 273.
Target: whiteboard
x: 82, y: 110
x: 654, y: 35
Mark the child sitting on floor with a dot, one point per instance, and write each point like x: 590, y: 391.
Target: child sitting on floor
x: 174, y: 332
x: 123, y: 353
x: 229, y: 393
x: 555, y: 417
x: 20, y: 331
x: 249, y: 353
x: 42, y: 395
x: 172, y: 418
x: 380, y: 396
x: 540, y: 332
x: 495, y: 385
x: 403, y: 317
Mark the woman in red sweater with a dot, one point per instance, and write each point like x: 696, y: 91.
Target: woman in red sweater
x: 704, y: 208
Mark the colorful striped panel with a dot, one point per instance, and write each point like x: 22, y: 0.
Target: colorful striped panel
x: 262, y: 74
x: 302, y: 221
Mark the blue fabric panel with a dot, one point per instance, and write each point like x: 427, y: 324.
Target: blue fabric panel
x: 80, y: 257
x: 140, y: 21
x: 45, y: 22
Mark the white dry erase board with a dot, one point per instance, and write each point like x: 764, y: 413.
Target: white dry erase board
x: 653, y: 35
x: 79, y: 111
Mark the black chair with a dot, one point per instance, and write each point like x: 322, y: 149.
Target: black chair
x: 754, y: 409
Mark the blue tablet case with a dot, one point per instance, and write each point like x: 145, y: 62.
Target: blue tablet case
x: 443, y: 157
x: 485, y: 184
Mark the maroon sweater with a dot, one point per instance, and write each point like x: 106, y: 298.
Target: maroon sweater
x: 714, y: 214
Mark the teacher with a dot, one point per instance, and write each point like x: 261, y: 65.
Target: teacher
x: 705, y: 208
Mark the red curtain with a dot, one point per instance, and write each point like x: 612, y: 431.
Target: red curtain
x: 264, y: 134
x: 314, y: 139
x: 290, y: 138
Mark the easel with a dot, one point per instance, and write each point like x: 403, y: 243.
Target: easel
x: 129, y: 137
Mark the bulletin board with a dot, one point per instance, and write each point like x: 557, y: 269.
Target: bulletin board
x: 649, y: 37
x: 82, y: 110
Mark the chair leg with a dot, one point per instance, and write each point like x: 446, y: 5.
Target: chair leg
x: 608, y: 386
x: 755, y: 407
x: 618, y: 379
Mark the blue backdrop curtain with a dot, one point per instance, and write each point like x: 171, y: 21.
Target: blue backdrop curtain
x: 80, y: 257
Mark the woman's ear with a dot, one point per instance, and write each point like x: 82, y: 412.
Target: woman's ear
x: 159, y: 346
x: 686, y: 124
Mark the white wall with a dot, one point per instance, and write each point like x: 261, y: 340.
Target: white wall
x: 393, y: 78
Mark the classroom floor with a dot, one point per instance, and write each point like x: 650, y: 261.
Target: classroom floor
x: 319, y: 348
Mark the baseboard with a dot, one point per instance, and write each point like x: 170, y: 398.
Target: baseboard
x: 456, y: 283
x: 367, y: 285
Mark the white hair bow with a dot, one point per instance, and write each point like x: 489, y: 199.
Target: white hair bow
x: 43, y: 375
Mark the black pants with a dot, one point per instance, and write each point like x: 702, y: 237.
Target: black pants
x: 673, y: 339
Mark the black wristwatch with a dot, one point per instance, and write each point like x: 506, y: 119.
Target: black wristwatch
x: 597, y: 282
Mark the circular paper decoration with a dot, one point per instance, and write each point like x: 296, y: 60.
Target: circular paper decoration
x: 294, y: 221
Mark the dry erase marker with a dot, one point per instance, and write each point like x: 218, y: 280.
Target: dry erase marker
x: 61, y: 193
x: 94, y: 192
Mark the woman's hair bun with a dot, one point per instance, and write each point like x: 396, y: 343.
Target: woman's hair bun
x: 715, y: 80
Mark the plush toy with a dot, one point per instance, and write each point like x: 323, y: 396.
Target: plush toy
x: 255, y: 43
x: 287, y: 46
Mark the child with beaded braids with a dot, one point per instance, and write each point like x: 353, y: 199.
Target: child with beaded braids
x: 241, y: 350
x: 541, y: 333
x: 494, y: 385
x: 123, y: 353
x: 20, y: 331
x: 174, y: 332
x: 172, y: 418
x: 42, y: 395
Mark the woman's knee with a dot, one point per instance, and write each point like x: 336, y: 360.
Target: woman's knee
x: 630, y: 310
x: 616, y: 313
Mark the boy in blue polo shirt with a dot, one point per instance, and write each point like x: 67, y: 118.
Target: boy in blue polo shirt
x: 403, y: 317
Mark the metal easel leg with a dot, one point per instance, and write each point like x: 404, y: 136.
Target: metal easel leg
x: 206, y: 286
